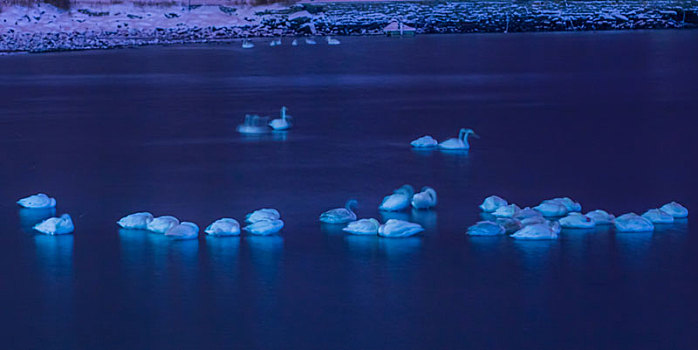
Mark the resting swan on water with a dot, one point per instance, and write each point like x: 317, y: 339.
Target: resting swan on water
x: 399, y: 200
x: 340, y: 215
x: 425, y: 199
x: 37, y: 201
x: 363, y: 227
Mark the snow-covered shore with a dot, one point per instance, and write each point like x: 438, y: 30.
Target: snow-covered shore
x: 44, y: 27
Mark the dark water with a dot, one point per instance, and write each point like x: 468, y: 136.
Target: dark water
x: 606, y: 118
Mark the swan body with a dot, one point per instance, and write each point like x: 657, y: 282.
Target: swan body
x: 577, y: 220
x: 310, y: 41
x: 533, y: 220
x: 424, y: 142
x: 246, y: 44
x: 265, y: 228
x: 332, y: 41
x: 675, y: 209
x: 398, y: 229
x: 363, y: 227
x: 223, y: 227
x: 399, y: 200
x: 253, y: 125
x: 56, y: 225
x: 265, y: 214
x: 510, y: 225
x: 185, y: 230
x: 136, y: 221
x: 632, y: 222
x: 37, y: 201
x: 340, y: 215
x: 282, y: 123
x: 294, y: 42
x: 460, y: 143
x: 492, y: 203
x: 601, y: 217
x: 275, y: 42
x: 425, y: 199
x: 658, y: 216
x: 486, y: 228
x: 567, y: 202
x: 162, y: 224
x: 538, y: 232
x: 507, y: 211
x: 549, y: 209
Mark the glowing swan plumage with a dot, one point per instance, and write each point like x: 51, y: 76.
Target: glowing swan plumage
x: 162, y: 224
x: 658, y: 216
x: 675, y: 209
x: 223, y: 227
x: 577, y: 220
x: 265, y: 214
x: 282, y: 123
x: 424, y: 142
x: 185, y: 230
x: 632, y: 222
x: 486, y: 228
x: 399, y: 200
x: 425, y: 199
x: 601, y: 217
x: 492, y: 203
x: 397, y: 229
x: 340, y: 215
x: 136, y: 221
x: 507, y: 211
x: 37, y: 201
x: 460, y: 143
x: 548, y: 230
x: 56, y: 225
x: 265, y: 227
x: 363, y: 227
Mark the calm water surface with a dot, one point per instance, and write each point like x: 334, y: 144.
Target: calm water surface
x: 606, y: 118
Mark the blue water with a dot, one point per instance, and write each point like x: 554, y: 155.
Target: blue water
x: 605, y: 118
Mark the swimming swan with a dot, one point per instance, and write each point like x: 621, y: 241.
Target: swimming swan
x: 223, y: 227
x: 425, y: 199
x: 340, y: 215
x: 56, y: 226
x: 136, y: 221
x: 310, y: 41
x: 424, y: 142
x: 331, y: 41
x: 265, y: 214
x: 37, y: 201
x: 486, y: 228
x: 577, y: 220
x: 265, y: 228
x: 492, y: 203
x: 632, y: 222
x: 185, y: 230
x: 398, y: 229
x: 399, y: 200
x: 675, y: 209
x: 246, y: 44
x: 162, y: 224
x: 601, y: 217
x: 459, y: 143
x: 282, y: 123
x: 294, y: 42
x: 363, y: 227
x: 658, y: 216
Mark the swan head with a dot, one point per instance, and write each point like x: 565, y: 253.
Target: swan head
x: 351, y: 204
x: 406, y: 189
x: 429, y: 190
x: 464, y: 133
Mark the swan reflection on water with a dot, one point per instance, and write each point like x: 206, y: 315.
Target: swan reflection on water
x: 30, y: 217
x: 55, y: 255
x: 391, y: 248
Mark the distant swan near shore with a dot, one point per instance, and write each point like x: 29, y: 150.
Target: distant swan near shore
x: 246, y: 44
x: 282, y: 123
x: 332, y: 41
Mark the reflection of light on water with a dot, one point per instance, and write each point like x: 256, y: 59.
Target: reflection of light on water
x: 223, y: 245
x: 361, y: 244
x: 397, y: 215
x: 426, y: 218
x: 423, y: 152
x: 399, y: 248
x: 275, y: 136
x: 633, y: 248
x: 30, y: 217
x: 55, y: 261
x: 332, y: 229
x: 535, y: 254
x: 55, y: 255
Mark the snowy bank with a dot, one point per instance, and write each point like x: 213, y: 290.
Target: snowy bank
x: 44, y: 27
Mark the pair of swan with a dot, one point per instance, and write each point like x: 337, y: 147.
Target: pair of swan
x: 392, y: 228
x: 275, y: 42
x: 255, y: 125
x: 459, y: 143
x: 60, y: 225
x: 404, y: 196
x: 264, y: 222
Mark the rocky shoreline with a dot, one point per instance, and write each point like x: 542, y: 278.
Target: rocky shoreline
x: 45, y: 28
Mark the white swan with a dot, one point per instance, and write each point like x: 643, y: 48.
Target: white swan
x: 282, y: 123
x: 246, y: 44
x: 492, y: 203
x: 527, y: 213
x: 340, y: 215
x: 533, y: 220
x: 551, y: 209
x: 424, y: 142
x: 275, y: 42
x: 265, y: 214
x: 460, y: 143
x: 632, y: 222
x: 507, y: 211
x: 294, y: 42
x: 577, y: 220
x: 567, y: 202
x: 399, y: 200
x: 136, y: 221
x: 601, y: 217
x: 185, y: 230
x: 538, y: 231
x: 363, y: 227
x: 310, y: 41
x: 223, y: 227
x: 56, y: 226
x: 658, y: 216
x: 510, y: 225
x: 265, y: 228
x: 254, y: 124
x: 486, y: 228
x: 398, y: 229
x: 675, y: 209
x: 332, y: 41
x: 425, y: 199
x: 37, y: 201
x: 162, y: 224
